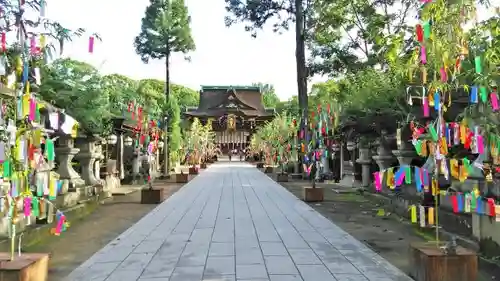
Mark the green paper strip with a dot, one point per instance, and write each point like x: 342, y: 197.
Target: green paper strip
x: 427, y: 30
x: 35, y: 207
x: 37, y: 113
x: 473, y: 201
x: 418, y: 146
x: 477, y: 62
x: 49, y: 144
x: 6, y: 169
x: 408, y: 175
x: 484, y: 94
x: 433, y: 133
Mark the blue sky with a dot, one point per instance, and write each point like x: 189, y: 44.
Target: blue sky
x: 224, y: 56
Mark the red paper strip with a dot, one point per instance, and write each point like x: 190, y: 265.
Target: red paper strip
x: 4, y: 42
x: 468, y: 140
x: 491, y: 205
x: 454, y: 203
x: 420, y: 33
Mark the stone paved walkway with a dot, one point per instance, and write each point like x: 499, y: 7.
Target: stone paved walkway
x: 232, y: 222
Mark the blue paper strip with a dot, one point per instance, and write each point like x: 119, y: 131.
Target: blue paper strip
x: 25, y: 72
x: 426, y: 178
x: 479, y: 205
x: 437, y: 101
x: 460, y: 200
x: 473, y: 94
x: 418, y: 180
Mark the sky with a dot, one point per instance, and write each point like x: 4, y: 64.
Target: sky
x: 224, y: 56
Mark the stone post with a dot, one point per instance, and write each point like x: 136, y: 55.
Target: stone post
x: 337, y: 161
x: 136, y: 165
x: 87, y: 156
x: 365, y: 160
x: 351, y: 147
x: 97, y: 163
x: 65, y: 151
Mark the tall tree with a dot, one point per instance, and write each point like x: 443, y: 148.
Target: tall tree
x: 165, y: 30
x: 258, y: 13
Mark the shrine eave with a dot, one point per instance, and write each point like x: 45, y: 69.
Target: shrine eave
x: 227, y: 88
x: 215, y: 114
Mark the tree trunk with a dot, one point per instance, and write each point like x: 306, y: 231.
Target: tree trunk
x: 166, y: 149
x: 300, y: 59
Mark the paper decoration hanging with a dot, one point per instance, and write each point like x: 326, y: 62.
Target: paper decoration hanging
x: 91, y: 44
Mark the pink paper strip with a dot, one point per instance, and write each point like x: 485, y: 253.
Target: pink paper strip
x: 33, y: 45
x: 423, y: 55
x: 27, y: 206
x: 401, y: 178
x: 494, y: 101
x: 32, y: 109
x: 91, y: 44
x: 480, y: 144
x: 60, y: 223
x: 425, y: 107
x: 444, y: 77
x: 378, y: 183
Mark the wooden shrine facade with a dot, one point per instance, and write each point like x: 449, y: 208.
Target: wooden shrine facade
x: 236, y: 112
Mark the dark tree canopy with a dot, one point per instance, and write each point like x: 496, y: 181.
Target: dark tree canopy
x: 165, y: 29
x: 257, y: 13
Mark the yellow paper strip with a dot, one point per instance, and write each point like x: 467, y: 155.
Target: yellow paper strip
x: 413, y: 213
x: 431, y: 215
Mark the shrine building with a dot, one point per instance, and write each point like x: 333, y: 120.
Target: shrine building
x: 236, y: 113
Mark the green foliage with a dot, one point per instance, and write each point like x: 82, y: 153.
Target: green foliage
x: 273, y: 138
x: 164, y: 30
x: 175, y: 135
x: 269, y: 97
x: 186, y: 97
x: 76, y: 87
x: 93, y: 99
x: 350, y: 35
x: 257, y: 13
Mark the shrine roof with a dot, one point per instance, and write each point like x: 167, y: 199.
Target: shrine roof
x: 216, y: 101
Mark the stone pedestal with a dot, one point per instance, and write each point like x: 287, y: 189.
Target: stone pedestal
x: 384, y: 157
x: 365, y: 161
x: 27, y: 267
x: 405, y: 153
x: 65, y: 151
x: 87, y: 156
x: 405, y: 157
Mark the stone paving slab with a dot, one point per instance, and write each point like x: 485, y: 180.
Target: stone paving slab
x: 232, y: 222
